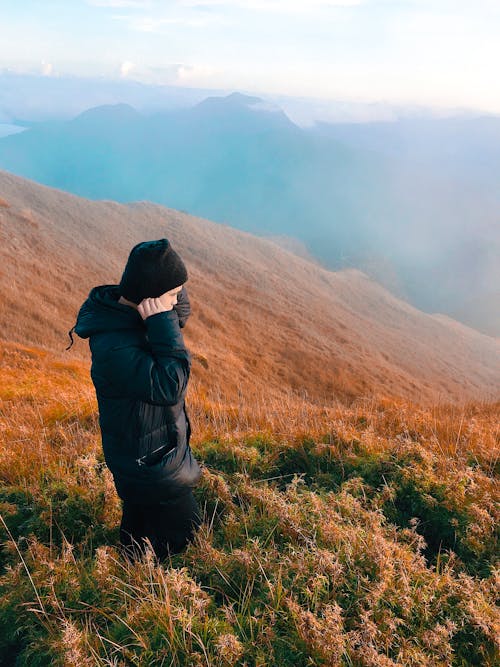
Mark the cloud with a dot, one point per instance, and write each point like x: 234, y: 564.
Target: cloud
x: 195, y: 73
x: 157, y: 16
x: 285, y: 6
x: 139, y: 4
x: 256, y: 5
x: 125, y: 68
x: 148, y: 23
x: 156, y: 24
x: 169, y: 74
x: 46, y: 68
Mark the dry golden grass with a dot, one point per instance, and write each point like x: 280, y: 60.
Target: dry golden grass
x: 60, y: 394
x: 309, y: 554
x: 261, y: 316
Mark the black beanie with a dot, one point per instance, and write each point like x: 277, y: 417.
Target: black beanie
x: 153, y: 267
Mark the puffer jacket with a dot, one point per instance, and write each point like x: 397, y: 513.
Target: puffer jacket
x: 140, y: 370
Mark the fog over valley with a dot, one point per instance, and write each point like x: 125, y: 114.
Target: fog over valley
x: 412, y: 202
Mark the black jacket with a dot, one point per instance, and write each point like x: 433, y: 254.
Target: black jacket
x: 140, y: 370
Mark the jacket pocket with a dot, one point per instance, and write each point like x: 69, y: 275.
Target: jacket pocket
x: 153, y: 430
x: 159, y: 455
x: 163, y: 463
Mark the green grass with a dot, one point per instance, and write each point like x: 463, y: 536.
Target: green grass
x: 286, y: 571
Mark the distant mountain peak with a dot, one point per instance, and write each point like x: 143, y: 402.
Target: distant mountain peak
x: 241, y: 98
x: 233, y: 99
x: 239, y: 103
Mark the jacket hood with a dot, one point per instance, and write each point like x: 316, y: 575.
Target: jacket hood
x: 102, y: 312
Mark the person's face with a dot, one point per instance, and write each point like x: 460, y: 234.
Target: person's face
x: 170, y: 297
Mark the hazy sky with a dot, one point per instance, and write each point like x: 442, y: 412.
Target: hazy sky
x: 431, y: 52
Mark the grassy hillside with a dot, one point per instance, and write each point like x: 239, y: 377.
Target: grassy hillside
x: 360, y: 536
x: 260, y: 315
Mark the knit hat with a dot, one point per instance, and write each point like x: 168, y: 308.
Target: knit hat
x: 153, y: 267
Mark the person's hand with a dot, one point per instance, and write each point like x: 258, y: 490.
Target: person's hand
x: 153, y: 305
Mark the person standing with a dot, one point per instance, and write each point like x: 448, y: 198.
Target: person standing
x: 140, y: 370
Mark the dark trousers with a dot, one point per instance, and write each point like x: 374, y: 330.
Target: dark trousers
x: 169, y: 525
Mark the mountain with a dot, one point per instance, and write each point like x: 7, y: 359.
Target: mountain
x: 43, y: 98
x: 263, y: 318
x: 230, y: 159
x: 412, y: 203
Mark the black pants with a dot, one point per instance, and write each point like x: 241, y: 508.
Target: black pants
x: 169, y: 525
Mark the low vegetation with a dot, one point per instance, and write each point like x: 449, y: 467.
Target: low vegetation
x: 339, y: 536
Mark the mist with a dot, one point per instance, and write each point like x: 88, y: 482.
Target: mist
x: 413, y: 202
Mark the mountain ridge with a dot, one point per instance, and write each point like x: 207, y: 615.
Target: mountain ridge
x: 262, y: 316
x: 412, y: 203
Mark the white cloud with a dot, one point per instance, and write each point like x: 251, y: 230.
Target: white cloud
x: 153, y: 24
x: 286, y: 6
x: 140, y: 4
x: 157, y: 15
x: 46, y: 68
x: 197, y: 74
x: 170, y: 74
x: 125, y: 68
x: 257, y: 5
x: 156, y: 24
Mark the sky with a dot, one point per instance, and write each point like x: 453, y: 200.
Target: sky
x: 441, y: 53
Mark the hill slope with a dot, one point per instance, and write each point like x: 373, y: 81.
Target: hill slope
x: 263, y: 318
x: 331, y: 536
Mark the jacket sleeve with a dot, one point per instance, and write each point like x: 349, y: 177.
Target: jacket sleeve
x: 161, y: 377
x: 183, y: 306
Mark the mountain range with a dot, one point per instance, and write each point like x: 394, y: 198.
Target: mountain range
x: 412, y: 203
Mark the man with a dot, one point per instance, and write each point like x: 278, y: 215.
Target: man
x: 140, y: 370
